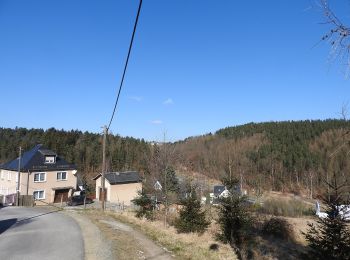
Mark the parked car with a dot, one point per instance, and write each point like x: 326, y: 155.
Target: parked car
x: 78, y: 200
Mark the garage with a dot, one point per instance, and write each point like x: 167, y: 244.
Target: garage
x: 61, y: 195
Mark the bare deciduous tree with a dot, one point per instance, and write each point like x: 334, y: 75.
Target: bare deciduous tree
x: 344, y: 111
x: 338, y: 36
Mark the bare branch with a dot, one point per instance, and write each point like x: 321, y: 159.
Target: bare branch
x: 338, y: 36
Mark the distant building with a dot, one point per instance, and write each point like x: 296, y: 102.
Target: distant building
x: 219, y: 191
x: 121, y: 187
x: 43, y: 174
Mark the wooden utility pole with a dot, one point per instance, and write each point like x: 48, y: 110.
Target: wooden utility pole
x: 19, y: 174
x: 103, y: 192
x: 165, y: 183
x: 28, y: 182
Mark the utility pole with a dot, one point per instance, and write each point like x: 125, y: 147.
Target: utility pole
x: 103, y: 192
x: 19, y: 174
x: 28, y: 182
x: 165, y: 182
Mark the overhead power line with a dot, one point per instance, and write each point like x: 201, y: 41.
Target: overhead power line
x: 126, y: 65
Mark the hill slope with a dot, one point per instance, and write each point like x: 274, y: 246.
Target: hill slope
x: 275, y: 155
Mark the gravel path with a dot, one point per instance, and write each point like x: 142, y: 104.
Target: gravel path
x: 95, y: 245
x: 106, y: 238
x: 148, y: 250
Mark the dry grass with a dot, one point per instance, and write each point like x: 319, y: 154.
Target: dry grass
x: 286, y: 208
x: 271, y: 247
x: 183, y: 246
x: 300, y: 225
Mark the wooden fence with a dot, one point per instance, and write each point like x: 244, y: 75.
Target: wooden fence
x: 26, y: 200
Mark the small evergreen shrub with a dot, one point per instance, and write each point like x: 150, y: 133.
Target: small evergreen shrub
x: 145, y: 206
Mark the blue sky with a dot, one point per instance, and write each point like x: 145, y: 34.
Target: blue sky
x: 196, y: 66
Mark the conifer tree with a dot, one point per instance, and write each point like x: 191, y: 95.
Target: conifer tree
x: 192, y: 218
x: 234, y: 219
x: 145, y: 205
x: 172, y: 182
x: 330, y: 237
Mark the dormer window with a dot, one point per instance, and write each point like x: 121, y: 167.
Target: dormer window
x: 50, y: 159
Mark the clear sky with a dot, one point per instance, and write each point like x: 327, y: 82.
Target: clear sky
x: 196, y: 66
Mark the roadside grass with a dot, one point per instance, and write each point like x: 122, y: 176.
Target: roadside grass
x: 182, y: 246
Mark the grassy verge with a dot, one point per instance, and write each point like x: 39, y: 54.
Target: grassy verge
x: 182, y: 246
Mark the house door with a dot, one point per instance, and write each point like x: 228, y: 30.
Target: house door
x: 61, y: 195
x: 101, y: 194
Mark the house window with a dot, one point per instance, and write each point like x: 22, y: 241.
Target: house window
x: 40, y: 177
x: 62, y: 176
x: 9, y: 176
x: 39, y: 194
x: 49, y: 159
x: 2, y: 175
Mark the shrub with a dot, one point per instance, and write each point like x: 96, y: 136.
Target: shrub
x: 279, y: 228
x: 145, y: 206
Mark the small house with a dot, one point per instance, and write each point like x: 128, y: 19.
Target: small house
x: 220, y: 191
x: 120, y: 187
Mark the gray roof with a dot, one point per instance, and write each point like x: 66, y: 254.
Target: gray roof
x: 121, y: 177
x: 34, y: 160
x: 218, y: 189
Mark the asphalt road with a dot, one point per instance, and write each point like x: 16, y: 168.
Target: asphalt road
x: 38, y: 233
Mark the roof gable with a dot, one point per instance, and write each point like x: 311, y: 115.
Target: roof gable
x: 218, y: 189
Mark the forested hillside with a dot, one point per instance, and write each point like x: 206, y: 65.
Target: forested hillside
x: 284, y: 156
x: 83, y: 149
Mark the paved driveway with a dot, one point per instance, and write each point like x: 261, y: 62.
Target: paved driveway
x: 38, y: 233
